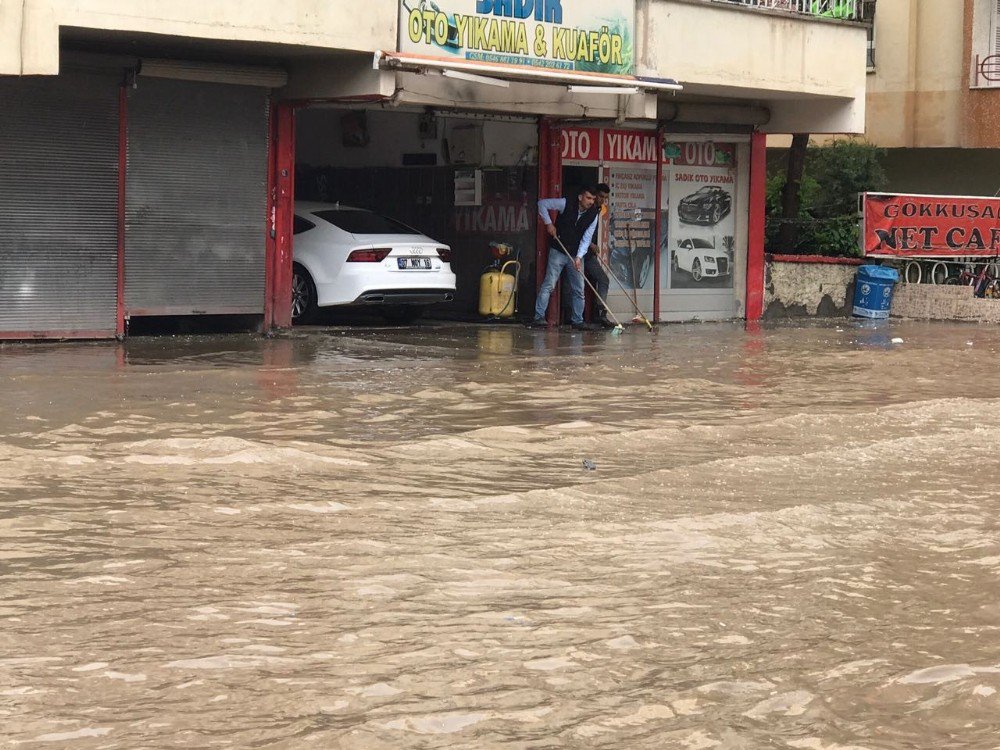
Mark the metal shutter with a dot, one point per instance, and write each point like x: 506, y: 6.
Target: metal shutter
x: 59, y: 205
x: 196, y: 198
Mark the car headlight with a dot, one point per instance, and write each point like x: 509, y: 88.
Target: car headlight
x: 708, y: 258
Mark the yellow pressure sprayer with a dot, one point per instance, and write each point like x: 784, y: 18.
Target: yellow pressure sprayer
x: 497, y: 288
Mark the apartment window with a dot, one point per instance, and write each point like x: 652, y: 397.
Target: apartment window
x: 985, y: 44
x: 995, y: 28
x: 868, y: 18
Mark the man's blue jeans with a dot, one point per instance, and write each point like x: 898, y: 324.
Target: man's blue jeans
x: 558, y: 262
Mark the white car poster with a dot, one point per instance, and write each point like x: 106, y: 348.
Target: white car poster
x: 701, y: 240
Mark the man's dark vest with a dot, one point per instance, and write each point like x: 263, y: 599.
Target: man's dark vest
x: 571, y: 224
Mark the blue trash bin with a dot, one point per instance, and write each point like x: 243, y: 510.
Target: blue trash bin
x: 873, y: 291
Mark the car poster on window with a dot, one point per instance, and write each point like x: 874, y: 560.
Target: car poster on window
x: 702, y: 226
x: 632, y: 215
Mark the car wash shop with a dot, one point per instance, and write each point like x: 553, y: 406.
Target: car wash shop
x: 459, y: 136
x: 676, y: 232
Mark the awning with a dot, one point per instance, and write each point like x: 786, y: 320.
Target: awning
x: 594, y: 82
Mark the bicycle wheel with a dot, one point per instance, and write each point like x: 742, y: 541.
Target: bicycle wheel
x: 913, y: 273
x: 939, y: 272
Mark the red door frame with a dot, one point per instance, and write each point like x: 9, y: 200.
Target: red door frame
x: 755, y: 233
x: 122, y: 176
x: 280, y: 218
x: 657, y: 225
x: 549, y: 185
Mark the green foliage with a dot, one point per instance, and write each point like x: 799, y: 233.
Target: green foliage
x: 828, y: 214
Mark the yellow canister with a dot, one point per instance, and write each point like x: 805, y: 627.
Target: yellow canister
x: 496, y: 293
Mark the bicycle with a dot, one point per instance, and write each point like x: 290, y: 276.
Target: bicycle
x: 985, y: 282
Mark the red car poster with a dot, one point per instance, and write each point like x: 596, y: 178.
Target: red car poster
x: 930, y: 226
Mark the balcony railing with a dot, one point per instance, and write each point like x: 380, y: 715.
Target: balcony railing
x: 844, y: 10
x: 986, y: 72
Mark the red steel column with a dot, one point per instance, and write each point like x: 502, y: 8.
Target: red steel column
x: 549, y: 186
x: 270, y: 220
x: 755, y: 238
x: 278, y: 314
x: 657, y: 229
x: 122, y: 174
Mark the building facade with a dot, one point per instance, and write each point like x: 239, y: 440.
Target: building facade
x: 934, y: 95
x: 152, y: 155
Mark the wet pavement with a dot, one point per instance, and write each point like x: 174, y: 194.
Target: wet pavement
x: 385, y: 538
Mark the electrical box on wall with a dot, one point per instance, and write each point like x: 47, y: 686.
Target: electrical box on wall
x: 427, y: 127
x: 468, y: 187
x: 465, y: 144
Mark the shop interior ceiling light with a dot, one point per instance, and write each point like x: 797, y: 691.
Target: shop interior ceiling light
x: 462, y: 76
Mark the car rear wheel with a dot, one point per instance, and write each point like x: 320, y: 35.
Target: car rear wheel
x: 716, y: 214
x: 401, y: 314
x: 696, y: 270
x: 303, y: 295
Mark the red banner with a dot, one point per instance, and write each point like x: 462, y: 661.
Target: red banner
x: 930, y: 225
x: 639, y: 147
x: 581, y: 144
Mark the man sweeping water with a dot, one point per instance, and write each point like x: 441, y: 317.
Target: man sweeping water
x: 572, y: 231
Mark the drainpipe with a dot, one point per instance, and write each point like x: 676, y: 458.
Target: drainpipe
x: 12, y: 27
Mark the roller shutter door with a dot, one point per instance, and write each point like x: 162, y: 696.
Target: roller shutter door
x: 59, y: 205
x: 196, y: 198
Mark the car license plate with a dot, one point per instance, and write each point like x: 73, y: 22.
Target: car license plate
x: 405, y: 263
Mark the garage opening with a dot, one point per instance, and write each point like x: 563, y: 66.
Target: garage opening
x: 196, y: 198
x: 453, y: 181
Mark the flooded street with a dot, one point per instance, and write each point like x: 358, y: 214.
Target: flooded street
x: 387, y: 538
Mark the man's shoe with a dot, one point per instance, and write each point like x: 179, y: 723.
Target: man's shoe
x: 605, y: 323
x: 538, y: 323
x: 584, y: 327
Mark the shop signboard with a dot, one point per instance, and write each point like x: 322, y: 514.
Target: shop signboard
x: 595, y: 36
x: 608, y: 145
x: 929, y: 226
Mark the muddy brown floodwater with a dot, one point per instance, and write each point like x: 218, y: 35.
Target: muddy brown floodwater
x: 378, y: 538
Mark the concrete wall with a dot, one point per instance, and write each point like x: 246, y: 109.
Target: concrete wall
x: 981, y: 106
x: 319, y: 140
x: 922, y: 93
x: 29, y: 30
x: 810, y: 72
x: 943, y: 171
x: 915, y: 93
x: 799, y: 289
x: 932, y: 302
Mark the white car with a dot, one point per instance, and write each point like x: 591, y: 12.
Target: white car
x: 351, y: 256
x: 700, y: 259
